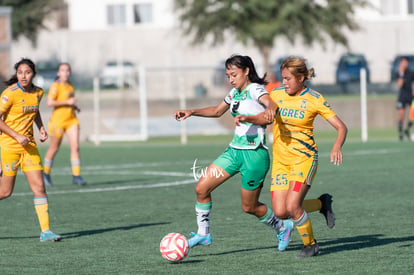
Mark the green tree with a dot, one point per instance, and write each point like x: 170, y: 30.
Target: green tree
x: 261, y: 21
x: 28, y: 16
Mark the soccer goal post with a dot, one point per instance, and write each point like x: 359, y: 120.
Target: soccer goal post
x: 146, y: 110
x: 364, y: 111
x: 136, y: 127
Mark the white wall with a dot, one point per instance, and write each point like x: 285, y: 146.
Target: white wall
x: 90, y: 15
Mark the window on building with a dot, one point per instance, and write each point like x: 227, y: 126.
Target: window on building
x: 142, y: 13
x: 390, y: 7
x: 116, y: 15
x: 410, y: 6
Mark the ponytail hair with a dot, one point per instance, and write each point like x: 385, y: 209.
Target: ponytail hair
x: 297, y: 66
x: 243, y: 62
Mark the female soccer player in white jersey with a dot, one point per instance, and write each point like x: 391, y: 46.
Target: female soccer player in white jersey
x: 247, y: 153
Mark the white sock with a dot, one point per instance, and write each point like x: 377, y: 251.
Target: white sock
x: 203, y: 218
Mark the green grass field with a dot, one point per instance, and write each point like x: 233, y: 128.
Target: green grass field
x: 139, y: 192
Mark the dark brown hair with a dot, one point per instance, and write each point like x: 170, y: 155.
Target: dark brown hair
x: 13, y: 79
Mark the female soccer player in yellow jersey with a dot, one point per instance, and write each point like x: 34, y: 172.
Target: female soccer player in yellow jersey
x: 295, y: 154
x: 246, y: 154
x: 63, y: 120
x: 19, y: 108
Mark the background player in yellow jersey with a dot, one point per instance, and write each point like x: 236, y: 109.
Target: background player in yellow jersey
x: 63, y: 120
x: 294, y: 149
x: 19, y: 109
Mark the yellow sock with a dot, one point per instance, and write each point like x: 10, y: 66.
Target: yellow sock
x: 312, y: 205
x: 76, y: 167
x: 47, y: 167
x: 42, y: 211
x: 304, y: 227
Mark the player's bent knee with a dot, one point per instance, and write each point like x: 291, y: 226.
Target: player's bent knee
x: 201, y: 191
x: 249, y: 209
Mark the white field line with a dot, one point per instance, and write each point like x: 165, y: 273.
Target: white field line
x: 365, y: 152
x: 132, y: 172
x: 141, y: 164
x: 109, y: 170
x: 131, y: 167
x: 109, y: 189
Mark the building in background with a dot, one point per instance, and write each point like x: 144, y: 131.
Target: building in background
x: 92, y: 33
x: 5, y: 43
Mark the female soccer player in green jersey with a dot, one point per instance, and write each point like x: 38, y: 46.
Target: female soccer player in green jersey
x: 246, y: 154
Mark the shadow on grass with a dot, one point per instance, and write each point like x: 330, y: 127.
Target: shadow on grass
x: 361, y: 242
x: 236, y: 251
x: 104, y: 230
x: 92, y: 231
x: 332, y: 246
x: 186, y: 261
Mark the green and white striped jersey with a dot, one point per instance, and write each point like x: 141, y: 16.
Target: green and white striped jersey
x: 246, y: 102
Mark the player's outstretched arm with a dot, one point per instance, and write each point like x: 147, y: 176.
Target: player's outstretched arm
x: 182, y: 114
x: 214, y: 111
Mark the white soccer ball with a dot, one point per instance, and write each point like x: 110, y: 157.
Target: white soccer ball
x: 174, y: 247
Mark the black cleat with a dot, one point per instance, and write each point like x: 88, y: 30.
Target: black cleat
x: 326, y: 209
x: 309, y: 251
x: 47, y: 180
x: 78, y: 180
x: 407, y: 134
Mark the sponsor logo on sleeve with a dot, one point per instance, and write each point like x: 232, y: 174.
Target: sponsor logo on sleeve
x: 4, y: 99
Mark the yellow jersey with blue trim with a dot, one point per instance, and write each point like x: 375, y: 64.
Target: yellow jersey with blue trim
x: 60, y: 91
x: 293, y: 139
x: 19, y: 109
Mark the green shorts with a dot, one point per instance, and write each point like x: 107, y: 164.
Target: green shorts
x: 252, y: 165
